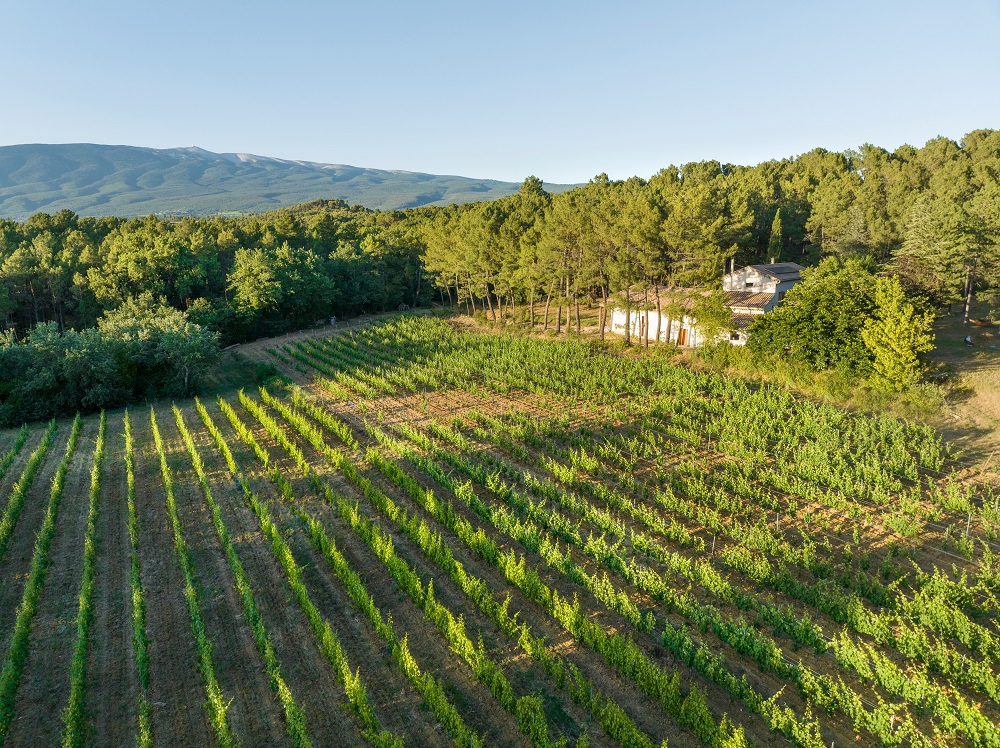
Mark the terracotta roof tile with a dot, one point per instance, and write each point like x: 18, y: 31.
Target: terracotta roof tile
x: 748, y: 299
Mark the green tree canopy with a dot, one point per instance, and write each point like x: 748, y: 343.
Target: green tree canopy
x: 896, y: 336
x: 774, y: 244
x: 142, y: 349
x: 820, y: 320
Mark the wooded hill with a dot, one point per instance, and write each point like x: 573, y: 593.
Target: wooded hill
x: 106, y: 180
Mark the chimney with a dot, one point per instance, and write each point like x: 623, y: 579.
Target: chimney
x: 732, y: 265
x: 772, y: 260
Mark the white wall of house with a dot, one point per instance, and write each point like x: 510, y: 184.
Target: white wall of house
x: 683, y: 331
x: 738, y: 337
x: 751, y: 279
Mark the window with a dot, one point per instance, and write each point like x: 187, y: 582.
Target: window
x: 734, y: 336
x: 749, y: 284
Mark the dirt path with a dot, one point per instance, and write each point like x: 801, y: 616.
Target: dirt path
x: 112, y: 678
x: 254, y: 712
x: 45, y: 682
x: 16, y: 563
x: 258, y: 348
x: 177, y: 693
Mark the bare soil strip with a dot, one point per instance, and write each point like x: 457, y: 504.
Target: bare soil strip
x: 17, y: 562
x: 177, y: 693
x: 45, y: 685
x: 253, y: 708
x: 111, y: 670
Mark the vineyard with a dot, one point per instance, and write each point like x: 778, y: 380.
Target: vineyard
x: 421, y: 536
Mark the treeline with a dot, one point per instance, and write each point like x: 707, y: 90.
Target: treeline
x: 929, y: 217
x: 243, y: 277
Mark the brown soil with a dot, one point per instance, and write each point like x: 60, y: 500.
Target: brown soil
x: 254, y: 709
x: 310, y: 676
x: 112, y: 677
x: 177, y: 692
x: 16, y: 563
x: 45, y: 682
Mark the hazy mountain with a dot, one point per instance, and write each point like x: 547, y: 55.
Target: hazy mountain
x: 100, y: 180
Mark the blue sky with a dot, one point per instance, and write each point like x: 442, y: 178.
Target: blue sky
x: 563, y: 90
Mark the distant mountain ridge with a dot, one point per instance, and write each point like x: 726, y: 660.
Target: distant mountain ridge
x: 119, y: 180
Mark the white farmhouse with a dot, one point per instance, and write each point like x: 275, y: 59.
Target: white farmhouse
x: 749, y: 291
x: 754, y: 290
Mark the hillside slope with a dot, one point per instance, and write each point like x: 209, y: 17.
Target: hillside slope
x: 100, y: 180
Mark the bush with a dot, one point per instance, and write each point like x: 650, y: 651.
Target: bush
x: 722, y: 355
x: 264, y: 373
x: 139, y: 351
x: 820, y: 321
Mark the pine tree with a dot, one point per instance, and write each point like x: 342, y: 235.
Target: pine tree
x: 774, y: 245
x: 934, y: 257
x: 896, y: 336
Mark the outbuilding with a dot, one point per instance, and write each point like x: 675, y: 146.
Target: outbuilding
x: 665, y: 315
x: 673, y: 323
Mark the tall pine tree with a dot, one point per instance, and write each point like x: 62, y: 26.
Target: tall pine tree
x: 774, y: 245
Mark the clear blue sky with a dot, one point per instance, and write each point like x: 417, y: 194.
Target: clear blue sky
x: 563, y: 90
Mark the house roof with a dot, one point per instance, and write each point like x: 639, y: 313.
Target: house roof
x: 748, y: 299
x: 780, y: 271
x: 742, y: 321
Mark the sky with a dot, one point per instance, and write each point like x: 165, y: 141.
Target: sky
x: 561, y: 90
